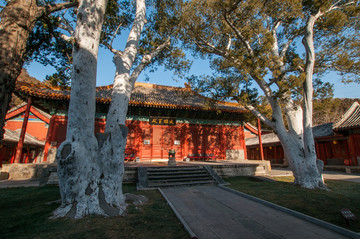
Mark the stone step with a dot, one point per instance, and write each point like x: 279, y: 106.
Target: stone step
x: 204, y: 174
x: 165, y: 180
x: 172, y: 169
x: 176, y: 176
x: 178, y: 184
x: 177, y: 172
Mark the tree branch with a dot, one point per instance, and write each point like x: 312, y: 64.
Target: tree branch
x: 286, y: 47
x: 135, y: 31
x: 108, y: 46
x: 202, y: 44
x: 66, y: 25
x: 146, y: 60
x: 66, y: 38
x: 229, y: 43
x: 262, y: 117
x: 334, y: 6
x: 239, y: 35
x: 275, y: 45
x: 113, y: 37
x: 60, y: 6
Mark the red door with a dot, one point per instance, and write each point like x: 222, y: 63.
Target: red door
x: 157, y: 143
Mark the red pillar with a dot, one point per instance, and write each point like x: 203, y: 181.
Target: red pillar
x: 13, y: 155
x: 260, y: 141
x: 243, y: 141
x: 276, y: 155
x: 2, y: 151
x: 49, y: 138
x: 351, y: 148
x: 36, y: 155
x: 27, y: 155
x: 23, y: 131
x: 223, y: 141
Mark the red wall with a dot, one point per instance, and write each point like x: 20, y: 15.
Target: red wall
x: 273, y: 153
x: 35, y: 127
x: 152, y: 141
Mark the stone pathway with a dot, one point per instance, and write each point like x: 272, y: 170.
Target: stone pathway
x: 212, y: 212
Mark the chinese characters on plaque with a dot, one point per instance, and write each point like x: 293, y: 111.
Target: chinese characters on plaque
x: 162, y: 120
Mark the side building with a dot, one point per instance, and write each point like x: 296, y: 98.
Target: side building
x: 337, y: 144
x: 159, y: 118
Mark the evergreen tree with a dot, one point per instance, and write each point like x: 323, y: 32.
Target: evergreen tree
x: 260, y: 42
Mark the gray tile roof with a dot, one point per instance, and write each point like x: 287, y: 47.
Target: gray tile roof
x: 23, y: 104
x: 266, y: 139
x: 143, y: 94
x: 14, y: 136
x: 350, y: 119
x: 318, y: 131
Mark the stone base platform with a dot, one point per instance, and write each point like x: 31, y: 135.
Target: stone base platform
x: 47, y: 173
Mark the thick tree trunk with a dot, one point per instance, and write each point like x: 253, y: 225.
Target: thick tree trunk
x: 304, y: 167
x: 82, y: 174
x: 112, y: 147
x: 17, y: 21
x: 302, y: 160
x: 300, y: 145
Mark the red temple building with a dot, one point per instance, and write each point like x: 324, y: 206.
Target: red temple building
x: 159, y: 118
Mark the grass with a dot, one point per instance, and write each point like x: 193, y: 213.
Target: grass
x: 321, y: 204
x: 24, y: 213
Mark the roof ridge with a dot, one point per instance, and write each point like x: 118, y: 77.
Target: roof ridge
x: 142, y: 94
x: 104, y: 87
x: 16, y: 107
x: 39, y: 85
x: 347, y: 114
x: 151, y: 85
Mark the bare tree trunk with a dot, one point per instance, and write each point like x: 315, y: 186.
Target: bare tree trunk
x: 79, y: 167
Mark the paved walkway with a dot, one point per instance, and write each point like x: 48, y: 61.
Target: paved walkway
x: 212, y: 213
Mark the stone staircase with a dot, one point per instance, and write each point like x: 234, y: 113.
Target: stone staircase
x: 155, y: 177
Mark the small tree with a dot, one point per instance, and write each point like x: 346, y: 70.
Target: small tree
x: 258, y: 41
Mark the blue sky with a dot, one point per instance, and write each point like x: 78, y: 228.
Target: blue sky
x: 106, y: 72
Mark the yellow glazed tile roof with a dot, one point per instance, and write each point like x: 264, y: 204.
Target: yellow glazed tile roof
x: 143, y: 94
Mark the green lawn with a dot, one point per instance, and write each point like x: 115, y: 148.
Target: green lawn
x: 24, y: 213
x: 321, y: 204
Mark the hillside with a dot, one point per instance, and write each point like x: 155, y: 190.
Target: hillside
x: 330, y: 110
x: 24, y: 77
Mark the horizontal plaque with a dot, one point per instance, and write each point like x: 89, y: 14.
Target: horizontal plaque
x: 162, y: 120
